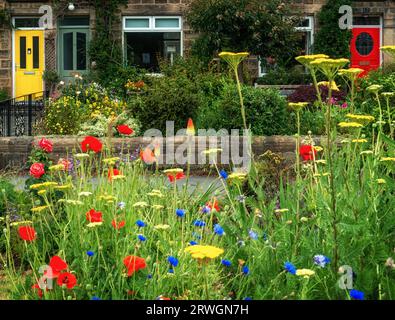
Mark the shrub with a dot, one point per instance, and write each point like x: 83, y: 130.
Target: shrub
x: 266, y: 111
x: 80, y: 102
x: 285, y: 76
x: 4, y: 95
x: 98, y: 127
x: 309, y: 94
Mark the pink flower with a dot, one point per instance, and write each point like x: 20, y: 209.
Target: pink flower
x: 45, y: 145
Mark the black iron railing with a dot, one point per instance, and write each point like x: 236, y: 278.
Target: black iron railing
x: 19, y: 115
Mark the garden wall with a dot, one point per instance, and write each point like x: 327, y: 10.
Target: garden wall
x: 14, y: 151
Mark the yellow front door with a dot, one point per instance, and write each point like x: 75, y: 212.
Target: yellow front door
x: 29, y: 61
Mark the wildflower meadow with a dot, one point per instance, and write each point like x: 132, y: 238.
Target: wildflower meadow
x: 103, y: 226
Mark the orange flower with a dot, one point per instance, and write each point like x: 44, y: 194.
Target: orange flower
x: 190, y: 128
x: 147, y: 156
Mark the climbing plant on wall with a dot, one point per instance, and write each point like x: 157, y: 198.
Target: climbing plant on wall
x: 105, y: 48
x: 330, y: 39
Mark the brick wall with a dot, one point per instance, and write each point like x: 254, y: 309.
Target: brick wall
x: 5, y: 55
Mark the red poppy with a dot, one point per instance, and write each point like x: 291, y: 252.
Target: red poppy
x: 56, y: 266
x: 27, y: 233
x: 113, y: 173
x: 46, y: 145
x: 133, y: 264
x: 307, y: 152
x: 147, y: 156
x: 125, y: 129
x: 214, y: 205
x: 178, y: 176
x: 118, y: 225
x: 68, y: 279
x: 37, y: 170
x: 91, y: 143
x: 39, y: 290
x: 94, y: 216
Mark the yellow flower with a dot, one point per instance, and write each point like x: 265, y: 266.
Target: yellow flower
x: 334, y: 86
x: 381, y: 181
x: 71, y: 202
x: 161, y: 227
x: 81, y: 155
x: 318, y: 148
x: 94, y: 224
x: 374, y: 88
x: 233, y: 59
x: 351, y: 73
x: 307, y: 59
x: 157, y: 206
x: 118, y: 177
x: 85, y: 194
x: 389, y: 49
x: 329, y: 67
x: 281, y: 210
x: 359, y: 140
x: 111, y: 161
x: 202, y: 252
x: 42, y: 192
x: 17, y: 223
x: 42, y: 185
x: 350, y: 125
x: 366, y: 152
x: 64, y: 187
x: 141, y: 204
x: 107, y: 197
x: 237, y: 176
x: 304, y: 219
x: 212, y: 151
x: 173, y: 171
x: 387, y: 159
x: 39, y: 209
x: 297, y: 106
x: 388, y: 95
x: 321, y: 161
x: 360, y: 117
x: 306, y: 273
x: 57, y: 167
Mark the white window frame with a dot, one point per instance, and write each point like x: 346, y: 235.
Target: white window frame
x: 309, y: 29
x: 152, y: 28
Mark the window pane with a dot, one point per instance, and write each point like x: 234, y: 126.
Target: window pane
x: 364, y: 21
x: 68, y: 51
x: 22, y: 52
x: 81, y: 51
x: 26, y: 22
x: 137, y: 23
x: 36, y: 52
x: 167, y: 23
x: 74, y: 21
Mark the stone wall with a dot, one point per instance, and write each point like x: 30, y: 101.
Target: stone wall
x: 14, y: 151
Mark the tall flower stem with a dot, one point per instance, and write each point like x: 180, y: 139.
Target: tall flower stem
x: 243, y: 115
x: 331, y: 178
x: 380, y: 124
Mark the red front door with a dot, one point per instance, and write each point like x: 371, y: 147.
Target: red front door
x: 365, y: 48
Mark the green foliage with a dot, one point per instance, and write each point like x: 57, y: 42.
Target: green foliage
x: 330, y: 39
x: 261, y: 27
x: 98, y: 127
x: 285, y: 76
x: 266, y: 111
x: 105, y: 49
x: 4, y: 95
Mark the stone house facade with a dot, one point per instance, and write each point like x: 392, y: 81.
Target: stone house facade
x: 146, y: 28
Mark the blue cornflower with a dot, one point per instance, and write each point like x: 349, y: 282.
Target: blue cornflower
x: 245, y: 270
x: 218, y: 230
x: 290, y: 267
x: 140, y: 223
x: 193, y: 243
x: 199, y: 223
x: 357, y: 295
x: 206, y: 209
x: 321, y: 260
x: 264, y: 236
x: 180, y: 213
x: 95, y: 298
x: 196, y: 235
x: 253, y: 235
x: 141, y: 238
x: 173, y: 261
x: 247, y: 298
x: 149, y: 276
x: 90, y: 253
x: 223, y: 174
x: 171, y: 271
x: 226, y: 263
